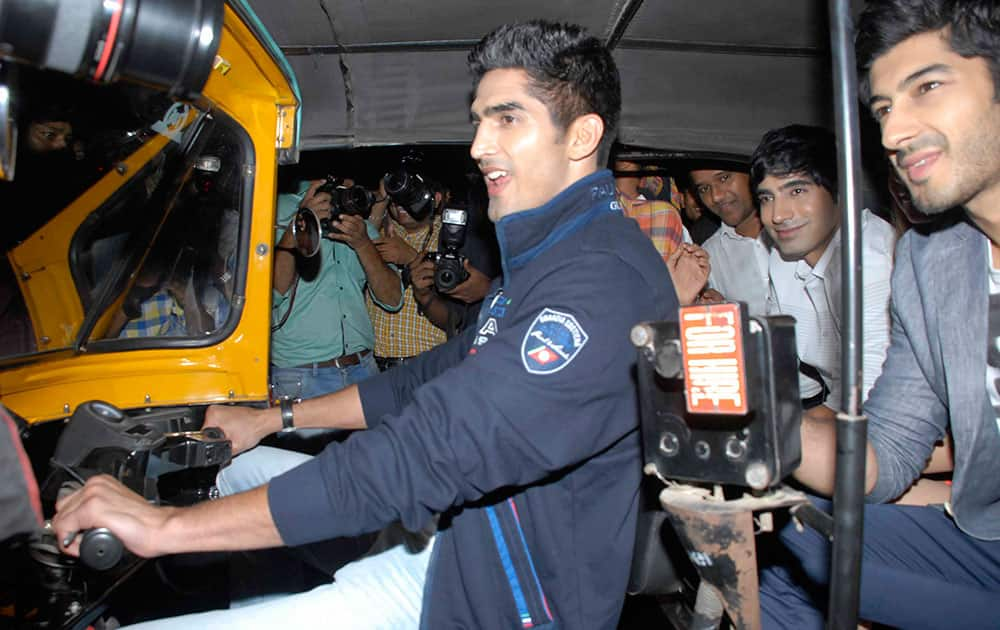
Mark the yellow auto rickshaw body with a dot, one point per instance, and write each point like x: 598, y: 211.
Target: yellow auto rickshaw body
x: 79, y: 347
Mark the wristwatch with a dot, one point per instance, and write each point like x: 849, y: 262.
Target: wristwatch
x: 286, y: 415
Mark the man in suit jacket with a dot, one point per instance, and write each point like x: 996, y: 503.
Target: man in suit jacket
x: 930, y: 72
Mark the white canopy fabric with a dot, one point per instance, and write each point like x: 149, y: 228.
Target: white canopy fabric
x: 699, y: 76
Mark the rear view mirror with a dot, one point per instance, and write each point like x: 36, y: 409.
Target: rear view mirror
x: 307, y: 231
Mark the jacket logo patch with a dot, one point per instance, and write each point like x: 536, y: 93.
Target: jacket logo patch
x: 553, y: 340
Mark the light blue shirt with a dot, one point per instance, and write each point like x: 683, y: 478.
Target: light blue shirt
x: 328, y: 317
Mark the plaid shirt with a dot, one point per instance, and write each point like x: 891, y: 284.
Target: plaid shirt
x: 659, y: 220
x: 407, y: 333
x: 161, y: 316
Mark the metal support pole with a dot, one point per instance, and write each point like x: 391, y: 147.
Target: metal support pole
x: 852, y: 427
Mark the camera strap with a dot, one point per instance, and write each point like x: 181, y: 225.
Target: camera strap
x: 398, y: 229
x: 427, y: 238
x: 291, y: 305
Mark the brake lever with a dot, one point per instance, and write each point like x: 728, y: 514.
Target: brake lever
x: 209, y: 433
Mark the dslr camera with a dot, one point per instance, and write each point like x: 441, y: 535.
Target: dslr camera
x: 349, y: 200
x: 408, y: 189
x: 309, y: 230
x: 449, y: 260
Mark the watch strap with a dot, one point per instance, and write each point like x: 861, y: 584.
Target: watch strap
x: 286, y: 415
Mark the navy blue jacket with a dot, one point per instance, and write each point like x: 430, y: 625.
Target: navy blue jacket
x: 521, y: 432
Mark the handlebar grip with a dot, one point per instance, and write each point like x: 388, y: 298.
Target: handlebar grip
x: 100, y: 549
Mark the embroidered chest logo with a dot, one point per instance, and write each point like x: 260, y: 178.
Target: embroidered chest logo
x: 553, y: 340
x: 489, y: 320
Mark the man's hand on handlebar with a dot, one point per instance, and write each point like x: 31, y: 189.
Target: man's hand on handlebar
x: 105, y: 502
x: 243, y: 426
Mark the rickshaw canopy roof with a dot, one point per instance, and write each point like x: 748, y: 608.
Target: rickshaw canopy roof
x: 698, y: 76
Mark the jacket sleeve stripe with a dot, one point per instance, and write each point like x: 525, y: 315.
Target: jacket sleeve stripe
x: 508, y: 567
x: 531, y: 563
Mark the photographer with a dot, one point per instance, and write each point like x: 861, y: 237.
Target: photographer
x: 437, y: 295
x: 324, y: 338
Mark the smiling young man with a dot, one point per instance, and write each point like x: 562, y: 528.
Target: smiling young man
x: 930, y: 72
x: 739, y: 250
x: 528, y: 449
x: 793, y: 176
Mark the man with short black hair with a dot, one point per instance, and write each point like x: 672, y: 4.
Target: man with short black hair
x: 930, y: 73
x: 793, y: 177
x: 428, y: 317
x: 522, y: 432
x: 48, y: 172
x: 739, y: 250
x: 701, y: 225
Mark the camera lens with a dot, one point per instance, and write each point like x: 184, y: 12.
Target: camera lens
x: 409, y: 191
x: 355, y: 200
x: 449, y: 273
x: 444, y: 279
x: 397, y: 183
x: 170, y: 44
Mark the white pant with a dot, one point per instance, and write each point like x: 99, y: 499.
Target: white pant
x: 384, y: 591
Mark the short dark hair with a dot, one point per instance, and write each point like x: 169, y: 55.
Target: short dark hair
x: 796, y: 149
x: 571, y: 72
x: 52, y: 112
x: 972, y: 31
x: 683, y: 180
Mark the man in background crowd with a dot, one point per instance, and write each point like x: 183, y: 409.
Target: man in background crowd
x: 687, y: 263
x: 740, y: 250
x: 428, y: 316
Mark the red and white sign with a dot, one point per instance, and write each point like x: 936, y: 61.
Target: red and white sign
x: 714, y: 372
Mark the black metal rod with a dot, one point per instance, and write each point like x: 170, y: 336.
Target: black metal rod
x: 621, y: 22
x: 720, y: 48
x: 848, y: 521
x: 852, y: 427
x: 625, y: 43
x: 442, y: 45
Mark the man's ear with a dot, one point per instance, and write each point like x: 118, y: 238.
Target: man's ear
x: 584, y: 136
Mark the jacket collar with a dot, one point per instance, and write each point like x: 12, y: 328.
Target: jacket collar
x: 524, y: 235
